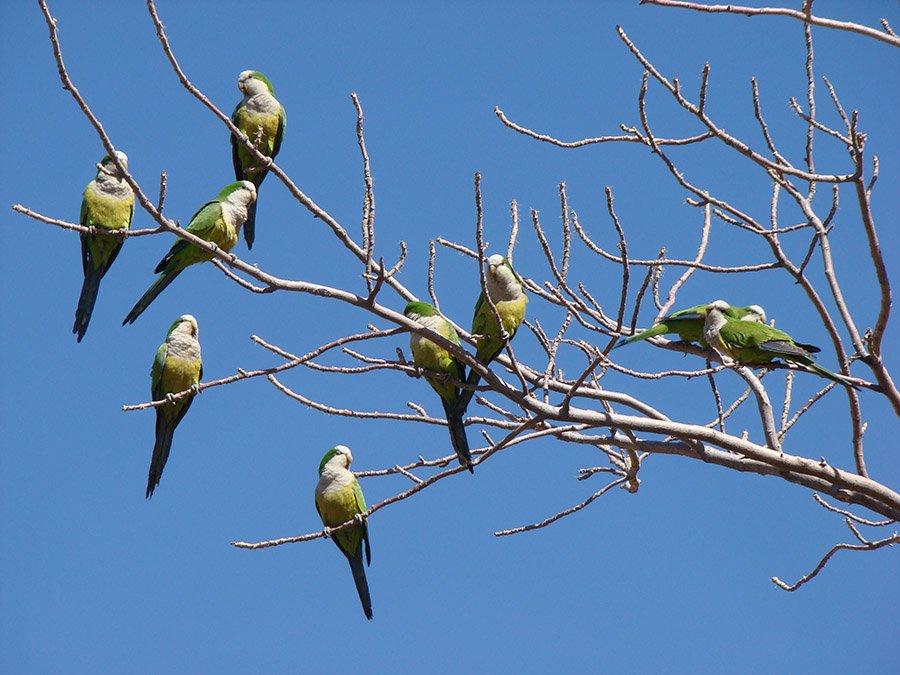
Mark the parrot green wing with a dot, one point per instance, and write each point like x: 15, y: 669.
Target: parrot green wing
x: 202, y: 224
x: 204, y: 221
x: 235, y: 157
x: 695, y: 312
x: 360, y: 499
x: 279, y: 133
x: 483, y: 324
x: 83, y: 217
x: 479, y: 321
x: 458, y: 369
x: 361, y: 505
x: 747, y: 334
x: 156, y: 372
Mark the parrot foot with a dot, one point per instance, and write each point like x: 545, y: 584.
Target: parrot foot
x: 358, y: 519
x: 326, y: 532
x: 195, y: 389
x: 170, y: 397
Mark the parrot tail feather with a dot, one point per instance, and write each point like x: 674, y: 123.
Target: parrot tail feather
x: 165, y: 431
x: 359, y: 578
x: 158, y: 286
x: 86, y: 301
x: 250, y: 226
x: 465, y: 395
x: 458, y: 434
x: 828, y: 375
x: 658, y: 329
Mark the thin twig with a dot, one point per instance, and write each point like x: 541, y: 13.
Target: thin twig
x: 562, y: 514
x: 871, y: 546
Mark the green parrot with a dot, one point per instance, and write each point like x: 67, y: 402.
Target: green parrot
x: 259, y: 109
x: 218, y: 221
x: 430, y: 356
x: 339, y: 499
x: 505, y: 288
x: 755, y: 344
x: 177, y: 367
x: 688, y: 323
x: 108, y: 203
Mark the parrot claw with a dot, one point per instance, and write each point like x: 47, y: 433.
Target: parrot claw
x: 195, y: 389
x: 358, y: 519
x: 170, y: 397
x: 326, y: 532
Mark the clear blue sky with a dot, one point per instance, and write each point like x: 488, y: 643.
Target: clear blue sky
x: 94, y: 578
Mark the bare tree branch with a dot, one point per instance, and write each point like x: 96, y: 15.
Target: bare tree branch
x: 887, y: 36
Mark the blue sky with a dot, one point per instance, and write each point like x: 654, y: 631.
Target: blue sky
x: 94, y: 578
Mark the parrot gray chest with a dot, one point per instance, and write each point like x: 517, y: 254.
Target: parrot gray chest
x: 183, y: 347
x: 265, y: 104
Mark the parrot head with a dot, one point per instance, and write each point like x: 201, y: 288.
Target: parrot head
x: 415, y: 310
x: 719, y: 305
x: 501, y: 272
x: 755, y: 313
x: 242, y: 192
x: 108, y: 166
x: 252, y: 82
x: 185, y: 324
x: 339, y: 454
x: 495, y: 262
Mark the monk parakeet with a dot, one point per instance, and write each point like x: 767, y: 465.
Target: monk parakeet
x: 431, y: 356
x: 108, y: 203
x: 688, y: 323
x: 177, y: 367
x: 259, y: 109
x: 218, y: 221
x: 755, y: 344
x: 505, y: 289
x: 338, y: 500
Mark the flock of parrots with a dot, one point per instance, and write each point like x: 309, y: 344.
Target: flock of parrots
x: 736, y: 333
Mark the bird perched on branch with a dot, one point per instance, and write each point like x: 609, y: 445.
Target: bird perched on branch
x: 176, y: 368
x: 505, y: 289
x: 339, y: 499
x: 108, y: 203
x: 262, y: 118
x: 688, y: 323
x: 431, y: 356
x: 756, y: 344
x: 218, y: 222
